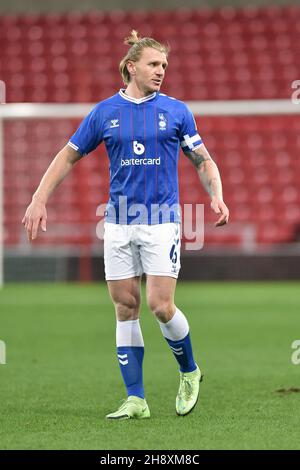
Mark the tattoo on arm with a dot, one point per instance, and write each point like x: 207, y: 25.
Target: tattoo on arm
x: 208, y: 173
x: 197, y: 158
x: 214, y: 187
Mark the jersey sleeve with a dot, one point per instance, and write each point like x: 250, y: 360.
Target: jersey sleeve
x: 189, y: 137
x: 89, y: 134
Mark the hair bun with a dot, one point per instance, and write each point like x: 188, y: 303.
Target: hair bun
x: 132, y: 39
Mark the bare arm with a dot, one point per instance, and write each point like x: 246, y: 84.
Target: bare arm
x: 210, y: 178
x: 36, y: 213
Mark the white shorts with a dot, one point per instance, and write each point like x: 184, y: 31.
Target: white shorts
x: 131, y: 250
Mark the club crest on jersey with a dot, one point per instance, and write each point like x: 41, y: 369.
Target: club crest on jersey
x: 114, y: 123
x: 162, y: 122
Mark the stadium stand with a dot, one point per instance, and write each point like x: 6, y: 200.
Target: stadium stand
x: 248, y: 53
x: 245, y: 53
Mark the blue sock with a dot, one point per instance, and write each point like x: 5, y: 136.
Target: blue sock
x: 176, y: 333
x: 131, y: 364
x: 130, y: 351
x: 183, y: 353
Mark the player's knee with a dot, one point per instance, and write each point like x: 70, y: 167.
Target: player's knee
x: 162, y: 310
x: 127, y: 310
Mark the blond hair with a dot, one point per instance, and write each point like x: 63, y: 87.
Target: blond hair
x: 138, y: 44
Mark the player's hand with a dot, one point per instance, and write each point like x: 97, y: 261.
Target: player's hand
x: 219, y: 207
x: 35, y: 215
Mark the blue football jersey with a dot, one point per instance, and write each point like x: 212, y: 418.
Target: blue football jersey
x: 142, y: 138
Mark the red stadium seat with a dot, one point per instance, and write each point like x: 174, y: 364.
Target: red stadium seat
x: 241, y: 50
x: 225, y: 53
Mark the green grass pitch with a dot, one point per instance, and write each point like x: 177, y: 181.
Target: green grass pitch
x: 62, y: 375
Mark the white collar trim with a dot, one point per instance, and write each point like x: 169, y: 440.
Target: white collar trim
x: 136, y: 100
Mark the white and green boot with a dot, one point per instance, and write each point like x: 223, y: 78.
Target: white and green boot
x: 132, y: 408
x: 188, y: 391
